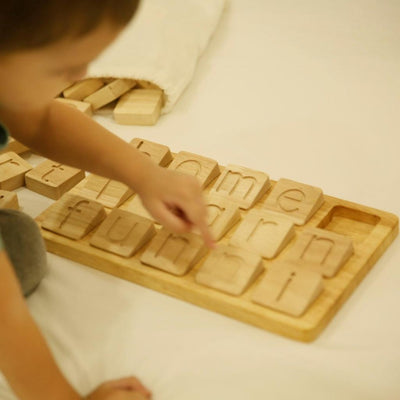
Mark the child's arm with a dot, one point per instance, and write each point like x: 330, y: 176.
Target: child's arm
x: 26, y: 361
x: 70, y: 137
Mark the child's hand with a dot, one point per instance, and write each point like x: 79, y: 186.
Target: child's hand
x: 175, y: 200
x: 121, y: 389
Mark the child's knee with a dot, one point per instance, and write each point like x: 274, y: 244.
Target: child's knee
x: 25, y: 247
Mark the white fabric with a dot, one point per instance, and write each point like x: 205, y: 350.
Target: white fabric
x: 304, y: 90
x: 162, y: 44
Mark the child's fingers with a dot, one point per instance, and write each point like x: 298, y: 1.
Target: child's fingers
x: 130, y: 384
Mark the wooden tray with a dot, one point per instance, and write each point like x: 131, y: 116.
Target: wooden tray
x: 372, y: 232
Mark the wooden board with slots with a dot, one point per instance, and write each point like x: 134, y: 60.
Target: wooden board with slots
x: 287, y: 258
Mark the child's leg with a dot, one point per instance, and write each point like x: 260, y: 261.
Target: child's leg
x: 25, y: 247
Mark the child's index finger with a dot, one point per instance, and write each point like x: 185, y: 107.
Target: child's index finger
x: 206, y: 233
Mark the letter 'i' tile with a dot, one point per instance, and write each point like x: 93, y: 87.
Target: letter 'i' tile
x: 159, y: 153
x: 230, y: 269
x: 288, y: 288
x: 222, y: 215
x: 241, y: 185
x: 52, y: 179
x: 172, y: 253
x: 108, y: 192
x: 8, y: 200
x: 320, y: 250
x: 203, y: 168
x: 264, y: 232
x: 123, y: 233
x: 73, y: 216
x: 294, y: 199
x: 12, y: 171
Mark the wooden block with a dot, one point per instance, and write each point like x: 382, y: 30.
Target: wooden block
x: 320, y: 250
x: 203, y: 168
x: 159, y: 153
x: 8, y: 200
x: 241, y: 185
x: 12, y: 171
x: 173, y: 253
x: 288, y: 288
x: 294, y: 199
x: 263, y: 232
x: 109, y: 92
x: 73, y: 216
x: 14, y: 146
x: 82, y: 106
x: 139, y: 107
x: 134, y: 205
x: 108, y: 192
x: 82, y: 89
x: 147, y: 85
x: 222, y: 215
x: 52, y: 179
x: 230, y: 269
x: 123, y: 233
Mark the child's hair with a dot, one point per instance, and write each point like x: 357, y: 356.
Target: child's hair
x: 27, y: 24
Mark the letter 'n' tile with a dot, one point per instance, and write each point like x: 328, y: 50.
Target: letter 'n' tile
x: 73, y: 216
x: 173, y: 253
x: 230, y: 269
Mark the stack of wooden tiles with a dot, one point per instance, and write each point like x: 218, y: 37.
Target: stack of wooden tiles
x: 287, y: 258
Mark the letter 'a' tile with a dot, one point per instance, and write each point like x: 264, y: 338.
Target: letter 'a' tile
x: 123, y: 233
x: 264, y: 232
x: 12, y: 171
x: 203, y: 168
x: 241, y: 185
x: 73, y: 216
x: 294, y: 199
x: 230, y: 270
x: 320, y: 250
x: 159, y: 153
x: 288, y: 288
x: 172, y: 253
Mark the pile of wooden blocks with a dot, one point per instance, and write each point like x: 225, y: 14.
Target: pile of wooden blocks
x: 133, y: 102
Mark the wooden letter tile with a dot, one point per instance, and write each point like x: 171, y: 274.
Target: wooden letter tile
x: 106, y: 191
x: 288, y: 288
x: 230, y: 269
x: 109, y: 93
x: 15, y: 146
x: 82, y: 106
x: 203, y: 168
x: 241, y: 185
x: 73, y: 216
x: 222, y: 215
x: 12, y: 171
x: 82, y: 89
x: 52, y: 179
x: 8, y: 200
x: 159, y: 153
x: 263, y: 232
x: 139, y: 107
x: 321, y: 250
x: 294, y: 199
x: 172, y: 253
x: 134, y: 205
x: 123, y: 233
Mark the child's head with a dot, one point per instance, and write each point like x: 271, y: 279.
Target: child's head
x: 47, y: 44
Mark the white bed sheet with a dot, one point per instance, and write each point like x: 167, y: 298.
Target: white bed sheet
x: 304, y: 90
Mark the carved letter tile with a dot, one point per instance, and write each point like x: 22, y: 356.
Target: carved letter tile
x: 263, y: 232
x: 81, y: 106
x: 288, y: 288
x: 294, y: 199
x: 14, y: 146
x: 172, y: 253
x: 230, y: 269
x: 73, y: 216
x: 134, y: 205
x: 123, y: 233
x: 106, y: 191
x: 204, y: 169
x: 159, y: 153
x: 321, y: 250
x: 8, y: 200
x: 52, y: 179
x: 12, y: 171
x: 241, y: 185
x: 82, y: 89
